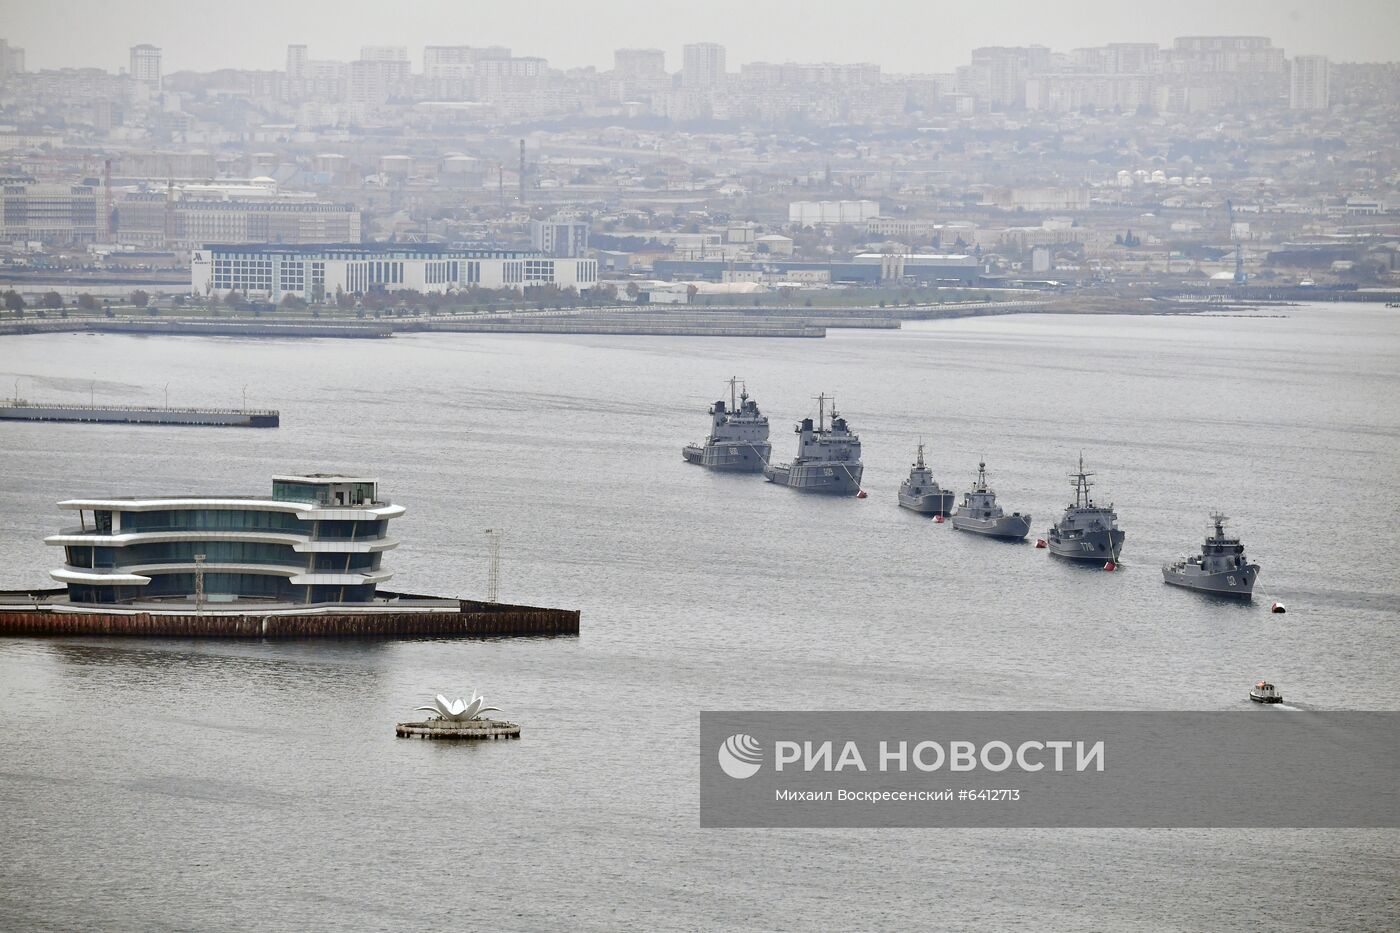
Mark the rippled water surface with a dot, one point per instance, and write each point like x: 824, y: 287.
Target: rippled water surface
x: 166, y: 784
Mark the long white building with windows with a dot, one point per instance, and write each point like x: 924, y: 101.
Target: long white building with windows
x: 317, y: 273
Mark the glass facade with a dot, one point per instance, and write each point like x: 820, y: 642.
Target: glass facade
x: 215, y: 520
x: 233, y: 569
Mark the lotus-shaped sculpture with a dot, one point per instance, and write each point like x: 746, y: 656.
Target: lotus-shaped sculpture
x: 459, y: 710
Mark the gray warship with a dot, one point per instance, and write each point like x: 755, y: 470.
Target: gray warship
x: 921, y: 494
x: 738, y: 439
x: 1220, y: 568
x: 1086, y: 531
x: 980, y: 514
x: 827, y: 461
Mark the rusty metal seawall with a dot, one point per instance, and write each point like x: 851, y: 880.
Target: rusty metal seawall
x: 472, y: 620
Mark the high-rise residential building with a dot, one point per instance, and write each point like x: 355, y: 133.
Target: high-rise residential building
x: 443, y: 59
x: 1309, y: 83
x: 996, y: 78
x: 383, y: 53
x: 560, y: 237
x: 640, y: 72
x: 380, y: 72
x: 704, y: 65
x: 1235, y: 54
x: 145, y: 65
x: 11, y: 59
x: 296, y: 62
x: 639, y: 63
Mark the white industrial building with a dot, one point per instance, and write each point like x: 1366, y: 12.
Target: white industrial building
x: 809, y: 213
x: 317, y: 273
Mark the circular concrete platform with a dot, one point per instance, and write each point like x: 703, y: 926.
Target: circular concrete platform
x: 452, y: 729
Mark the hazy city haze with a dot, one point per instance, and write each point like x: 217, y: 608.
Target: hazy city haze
x: 899, y: 35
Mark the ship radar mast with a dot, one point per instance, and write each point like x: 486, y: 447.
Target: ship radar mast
x: 821, y: 411
x: 1219, y: 518
x: 733, y: 405
x: 981, y: 476
x: 920, y: 462
x: 1080, y: 481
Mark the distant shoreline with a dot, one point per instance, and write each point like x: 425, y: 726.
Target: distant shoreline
x: 643, y: 320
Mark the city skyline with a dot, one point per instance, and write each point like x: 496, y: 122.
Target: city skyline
x: 783, y: 31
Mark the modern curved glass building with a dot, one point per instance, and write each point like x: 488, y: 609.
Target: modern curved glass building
x: 317, y: 539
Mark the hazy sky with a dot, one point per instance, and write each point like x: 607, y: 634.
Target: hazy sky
x: 899, y: 35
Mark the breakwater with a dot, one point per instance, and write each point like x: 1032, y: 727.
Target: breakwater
x: 469, y: 619
x: 634, y: 325
x: 197, y: 327
x: 20, y: 410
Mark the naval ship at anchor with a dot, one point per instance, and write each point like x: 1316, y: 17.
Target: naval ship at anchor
x: 828, y: 458
x: 920, y: 493
x: 738, y: 439
x: 979, y: 512
x: 1220, y: 568
x: 1086, y: 531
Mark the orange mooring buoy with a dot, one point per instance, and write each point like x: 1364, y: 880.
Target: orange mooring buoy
x: 1040, y: 542
x: 861, y: 494
x: 1110, y: 566
x: 1278, y: 607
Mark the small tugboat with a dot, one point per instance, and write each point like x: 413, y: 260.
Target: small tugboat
x: 980, y: 514
x: 827, y: 461
x: 1265, y: 692
x: 1220, y: 568
x: 738, y: 441
x: 921, y: 494
x: 1086, y: 531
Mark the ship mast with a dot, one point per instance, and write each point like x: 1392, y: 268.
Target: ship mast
x: 920, y: 463
x: 733, y: 406
x: 981, y: 476
x: 1081, y: 485
x: 821, y: 412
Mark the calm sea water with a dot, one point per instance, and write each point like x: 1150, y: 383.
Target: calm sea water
x: 171, y: 784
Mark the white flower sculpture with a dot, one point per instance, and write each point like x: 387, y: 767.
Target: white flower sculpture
x: 459, y: 710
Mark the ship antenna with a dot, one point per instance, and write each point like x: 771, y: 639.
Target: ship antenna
x: 1081, y: 485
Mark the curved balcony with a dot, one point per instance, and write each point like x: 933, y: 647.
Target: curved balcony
x: 308, y: 511
x: 74, y: 537
x: 341, y: 579
x: 141, y: 574
x: 86, y: 575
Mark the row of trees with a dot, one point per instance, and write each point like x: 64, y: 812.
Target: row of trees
x: 52, y: 301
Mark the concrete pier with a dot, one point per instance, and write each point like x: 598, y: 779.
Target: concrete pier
x: 23, y: 614
x: 22, y: 410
